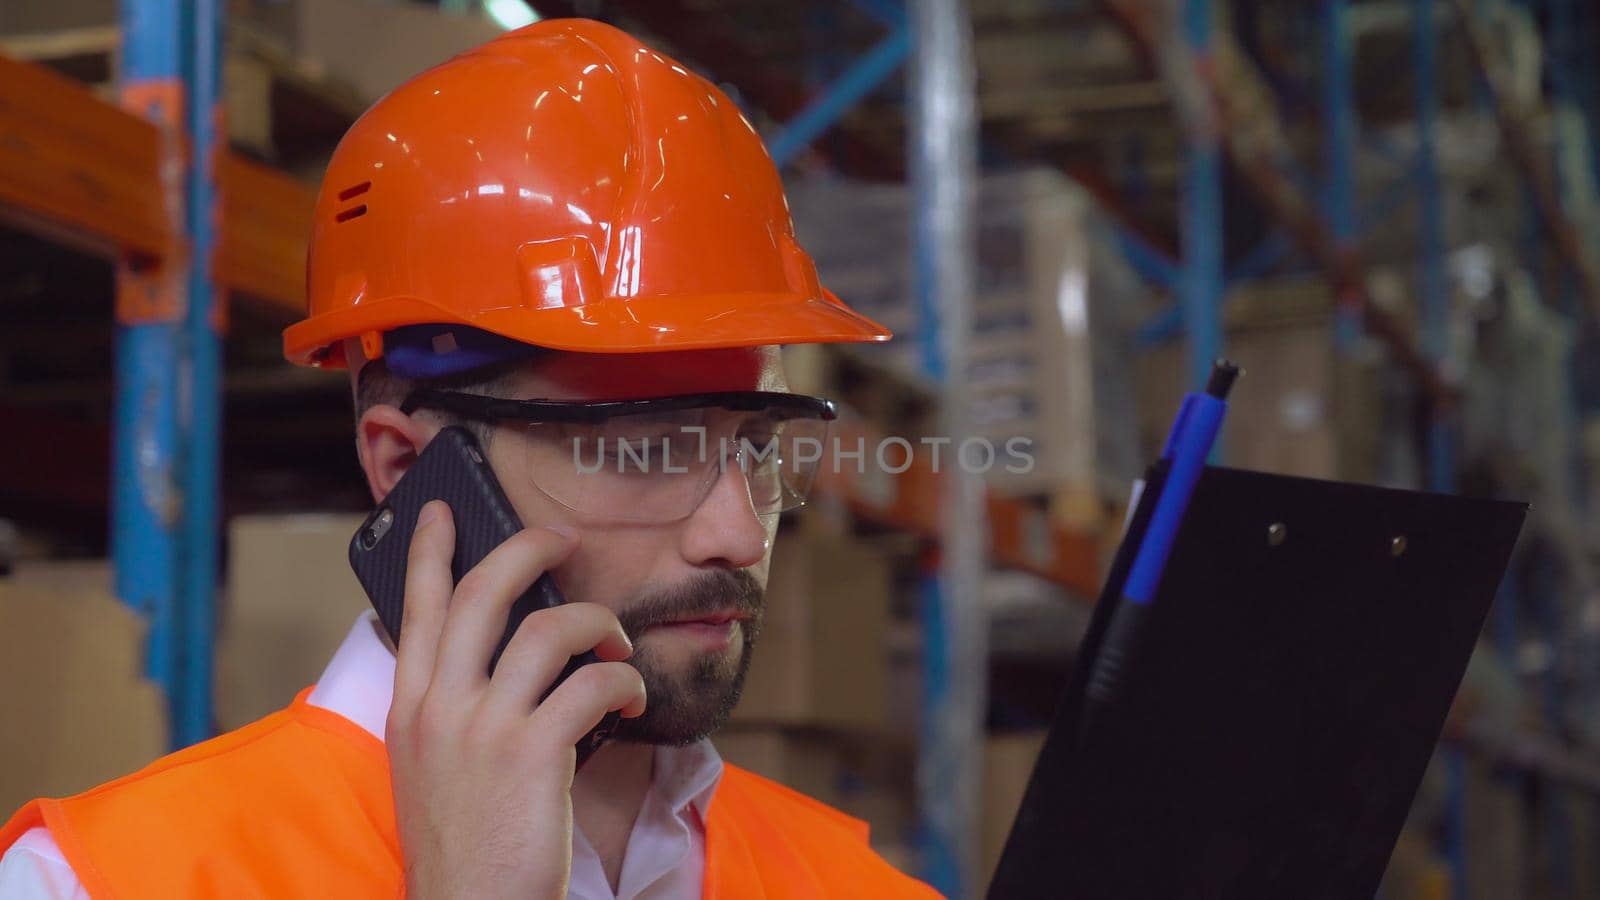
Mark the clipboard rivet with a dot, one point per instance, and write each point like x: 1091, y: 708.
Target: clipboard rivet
x: 1397, y: 546
x: 1277, y: 533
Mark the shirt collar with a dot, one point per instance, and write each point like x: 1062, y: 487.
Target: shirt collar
x: 688, y: 775
x: 358, y: 684
x: 359, y: 681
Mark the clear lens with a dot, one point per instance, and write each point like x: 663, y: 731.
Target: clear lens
x: 659, y: 467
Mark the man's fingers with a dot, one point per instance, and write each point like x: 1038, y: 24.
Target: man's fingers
x: 482, y: 603
x: 427, y: 595
x: 583, y: 699
x: 541, y: 648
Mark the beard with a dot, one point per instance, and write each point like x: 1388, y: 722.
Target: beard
x: 682, y: 707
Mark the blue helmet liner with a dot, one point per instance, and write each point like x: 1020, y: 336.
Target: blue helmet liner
x: 435, y: 350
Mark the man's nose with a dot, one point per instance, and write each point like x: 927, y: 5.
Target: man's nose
x: 725, y: 530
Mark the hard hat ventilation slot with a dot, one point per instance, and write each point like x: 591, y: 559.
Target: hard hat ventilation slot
x: 351, y: 192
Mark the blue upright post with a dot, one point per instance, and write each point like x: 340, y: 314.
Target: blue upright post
x: 1202, y: 217
x: 1339, y: 123
x: 943, y: 139
x: 1433, y: 288
x: 941, y: 861
x: 147, y: 497
x: 1435, y: 338
x: 201, y: 330
x: 1455, y: 769
x: 1561, y: 63
x: 1481, y: 101
x: 1587, y: 77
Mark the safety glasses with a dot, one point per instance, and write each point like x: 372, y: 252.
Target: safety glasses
x: 656, y: 460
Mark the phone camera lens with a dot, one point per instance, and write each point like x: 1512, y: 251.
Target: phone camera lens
x: 374, y: 532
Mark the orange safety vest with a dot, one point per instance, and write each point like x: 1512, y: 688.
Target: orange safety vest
x: 298, y: 804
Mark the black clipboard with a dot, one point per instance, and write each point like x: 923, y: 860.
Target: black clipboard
x: 1290, y: 681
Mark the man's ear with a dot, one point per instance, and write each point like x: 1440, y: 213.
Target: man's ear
x: 387, y: 442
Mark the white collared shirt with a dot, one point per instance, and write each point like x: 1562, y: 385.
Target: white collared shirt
x: 665, y: 856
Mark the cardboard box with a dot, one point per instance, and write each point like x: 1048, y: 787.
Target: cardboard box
x: 1302, y: 407
x: 1007, y: 765
x: 1052, y: 321
x: 291, y: 599
x: 77, y: 708
x: 822, y: 657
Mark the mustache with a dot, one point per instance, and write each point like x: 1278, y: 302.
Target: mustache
x: 702, y: 595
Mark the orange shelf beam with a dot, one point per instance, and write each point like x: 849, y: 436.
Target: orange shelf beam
x: 76, y: 167
x: 72, y: 162
x: 266, y: 222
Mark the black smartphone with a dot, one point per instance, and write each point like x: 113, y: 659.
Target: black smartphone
x: 452, y: 468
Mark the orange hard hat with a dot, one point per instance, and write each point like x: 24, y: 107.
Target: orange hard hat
x: 562, y: 186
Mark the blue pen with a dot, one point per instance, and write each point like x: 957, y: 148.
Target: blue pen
x: 1189, y: 443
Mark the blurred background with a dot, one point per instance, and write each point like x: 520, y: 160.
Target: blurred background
x: 1386, y: 210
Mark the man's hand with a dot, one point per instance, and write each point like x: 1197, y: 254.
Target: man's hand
x: 481, y: 769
